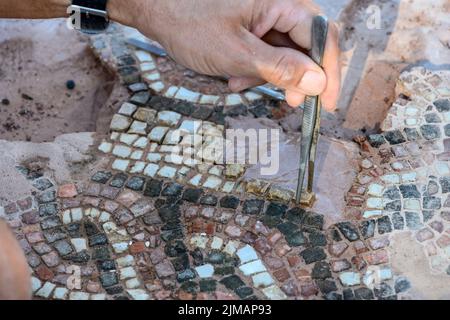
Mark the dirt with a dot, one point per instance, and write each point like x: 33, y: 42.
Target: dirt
x: 409, y: 259
x: 37, y: 58
x: 336, y: 165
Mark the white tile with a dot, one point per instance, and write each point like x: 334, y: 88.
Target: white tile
x: 187, y: 95
x: 252, y: 267
x: 247, y: 254
x: 138, y: 167
x: 122, y: 151
x: 151, y: 170
x: 105, y: 147
x: 157, y: 134
x: 120, y: 165
x: 157, y: 86
x: 167, y: 172
x: 138, y: 127
x: 168, y: 118
x: 141, y: 143
x: 205, y: 271
x: 127, y: 109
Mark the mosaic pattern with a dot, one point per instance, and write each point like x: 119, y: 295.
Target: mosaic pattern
x: 405, y: 178
x: 151, y: 223
x: 164, y: 77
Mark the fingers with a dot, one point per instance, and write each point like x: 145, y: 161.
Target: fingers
x: 237, y: 84
x: 286, y: 68
x: 301, y: 35
x: 294, y: 18
x: 294, y: 99
x: 332, y: 68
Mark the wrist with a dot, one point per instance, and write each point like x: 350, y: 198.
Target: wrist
x: 130, y: 12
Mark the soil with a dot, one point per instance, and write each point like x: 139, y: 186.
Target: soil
x: 36, y: 104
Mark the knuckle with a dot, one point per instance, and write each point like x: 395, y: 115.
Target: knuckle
x: 285, y: 71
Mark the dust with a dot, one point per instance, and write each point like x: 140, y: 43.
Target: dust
x: 409, y: 259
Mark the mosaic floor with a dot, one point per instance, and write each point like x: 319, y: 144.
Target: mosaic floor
x: 156, y: 219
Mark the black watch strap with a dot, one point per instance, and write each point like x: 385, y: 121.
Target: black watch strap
x: 95, y: 19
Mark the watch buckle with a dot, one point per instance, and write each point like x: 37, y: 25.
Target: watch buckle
x: 89, y: 11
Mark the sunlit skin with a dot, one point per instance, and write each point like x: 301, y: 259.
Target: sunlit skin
x: 15, y: 283
x: 249, y: 41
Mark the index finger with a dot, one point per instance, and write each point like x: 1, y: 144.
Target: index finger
x: 295, y: 18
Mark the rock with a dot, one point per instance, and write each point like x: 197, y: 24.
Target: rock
x: 398, y: 221
x: 172, y: 190
x: 253, y: 206
x: 97, y: 240
x: 101, y: 177
x: 412, y: 134
x: 280, y: 194
x: 321, y: 270
x: 136, y: 183
x: 379, y: 243
x: 140, y: 98
x: 409, y: 191
x: 431, y: 203
x: 230, y: 202
x: 424, y: 234
x: 437, y: 225
x: 51, y: 259
x: 48, y: 209
x: 367, y: 228
x: 164, y: 269
x: 394, y: 137
x: 209, y: 200
x: 187, y: 274
x: 340, y: 265
x: 311, y: 255
x: 63, y: 247
x: 326, y: 286
x: 67, y: 191
x: 363, y: 294
x: 413, y: 220
x: 430, y: 132
x: 337, y: 249
x: 401, y: 285
x: 377, y: 257
x: 376, y: 140
x: 192, y: 195
x: 120, y: 123
x: 207, y: 285
x: 153, y: 188
x: 384, y: 225
x: 232, y: 282
x: 234, y: 231
x: 109, y: 279
x: 42, y: 184
x: 276, y: 209
x: 445, y: 184
x: 119, y: 180
x: 350, y: 278
x: 392, y: 193
x: 442, y: 105
x: 349, y: 231
x: 234, y: 171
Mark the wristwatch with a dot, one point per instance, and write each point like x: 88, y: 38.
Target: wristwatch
x: 89, y: 16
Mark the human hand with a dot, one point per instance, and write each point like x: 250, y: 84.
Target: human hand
x: 249, y: 41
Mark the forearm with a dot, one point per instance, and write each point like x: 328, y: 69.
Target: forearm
x: 123, y: 11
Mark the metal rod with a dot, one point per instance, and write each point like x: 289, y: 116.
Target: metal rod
x: 311, y: 115
x: 162, y: 53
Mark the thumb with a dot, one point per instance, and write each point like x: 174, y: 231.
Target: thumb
x: 286, y: 68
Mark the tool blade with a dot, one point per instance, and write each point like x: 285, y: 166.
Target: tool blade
x: 308, y: 122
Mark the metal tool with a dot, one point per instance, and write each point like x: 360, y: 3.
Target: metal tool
x: 162, y: 53
x: 311, y: 118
